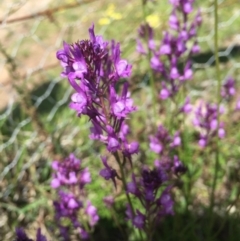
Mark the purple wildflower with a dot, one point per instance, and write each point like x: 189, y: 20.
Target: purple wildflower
x: 93, y: 68
x: 228, y: 89
x: 108, y: 172
x: 21, y: 235
x: 67, y: 206
x: 121, y: 106
x: 162, y: 141
x: 69, y: 173
x: 146, y: 189
x: 91, y: 211
x: 40, y: 237
x: 206, y: 121
x: 109, y: 201
x: 139, y: 220
x: 186, y: 107
x: 167, y: 59
x: 178, y: 166
x: 166, y: 202
x: 132, y: 187
x: 70, y: 179
x: 83, y: 233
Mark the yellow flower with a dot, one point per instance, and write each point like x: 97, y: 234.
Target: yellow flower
x: 104, y: 21
x: 110, y: 15
x: 116, y: 16
x: 153, y: 20
x: 110, y: 9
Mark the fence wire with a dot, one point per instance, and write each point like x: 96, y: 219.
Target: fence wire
x: 35, y: 123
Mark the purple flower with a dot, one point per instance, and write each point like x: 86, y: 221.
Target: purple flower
x: 69, y: 172
x: 178, y: 167
x: 146, y: 188
x: 203, y: 141
x: 140, y: 47
x: 186, y: 107
x: 228, y: 88
x: 85, y: 177
x: 108, y: 172
x: 69, y: 178
x: 131, y: 148
x: 40, y: 237
x: 109, y: 201
x: 221, y: 133
x: 166, y: 202
x: 173, y: 21
x: 83, y: 233
x: 121, y: 106
x: 176, y: 140
x: 206, y: 121
x: 145, y: 31
x: 164, y: 94
x: 113, y: 143
x: 93, y: 68
x: 79, y: 102
x: 155, y: 145
x: 91, y: 211
x: 175, y: 48
x: 67, y: 206
x: 123, y: 69
x: 21, y: 235
x: 162, y: 141
x: 139, y: 220
x: 151, y: 180
x: 132, y: 186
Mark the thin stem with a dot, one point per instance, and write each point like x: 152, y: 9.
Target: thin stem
x: 125, y: 186
x: 124, y: 181
x: 214, y: 184
x: 113, y: 213
x: 154, y: 96
x: 218, y: 97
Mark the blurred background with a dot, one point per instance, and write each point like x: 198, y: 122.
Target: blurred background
x: 36, y: 124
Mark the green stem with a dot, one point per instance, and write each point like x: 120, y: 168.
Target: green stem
x: 214, y: 184
x: 113, y: 213
x: 125, y: 186
x: 124, y: 181
x: 154, y: 96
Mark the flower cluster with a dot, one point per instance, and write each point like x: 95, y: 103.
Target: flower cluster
x: 70, y: 179
x: 93, y: 68
x: 228, y: 88
x: 167, y: 59
x: 206, y: 120
x: 161, y: 142
x: 150, y: 189
x: 228, y: 91
x: 164, y: 144
x: 109, y: 172
x: 186, y: 107
x: 153, y: 186
x: 21, y: 236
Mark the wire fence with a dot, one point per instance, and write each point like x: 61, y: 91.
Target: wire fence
x: 27, y: 63
x: 35, y: 126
